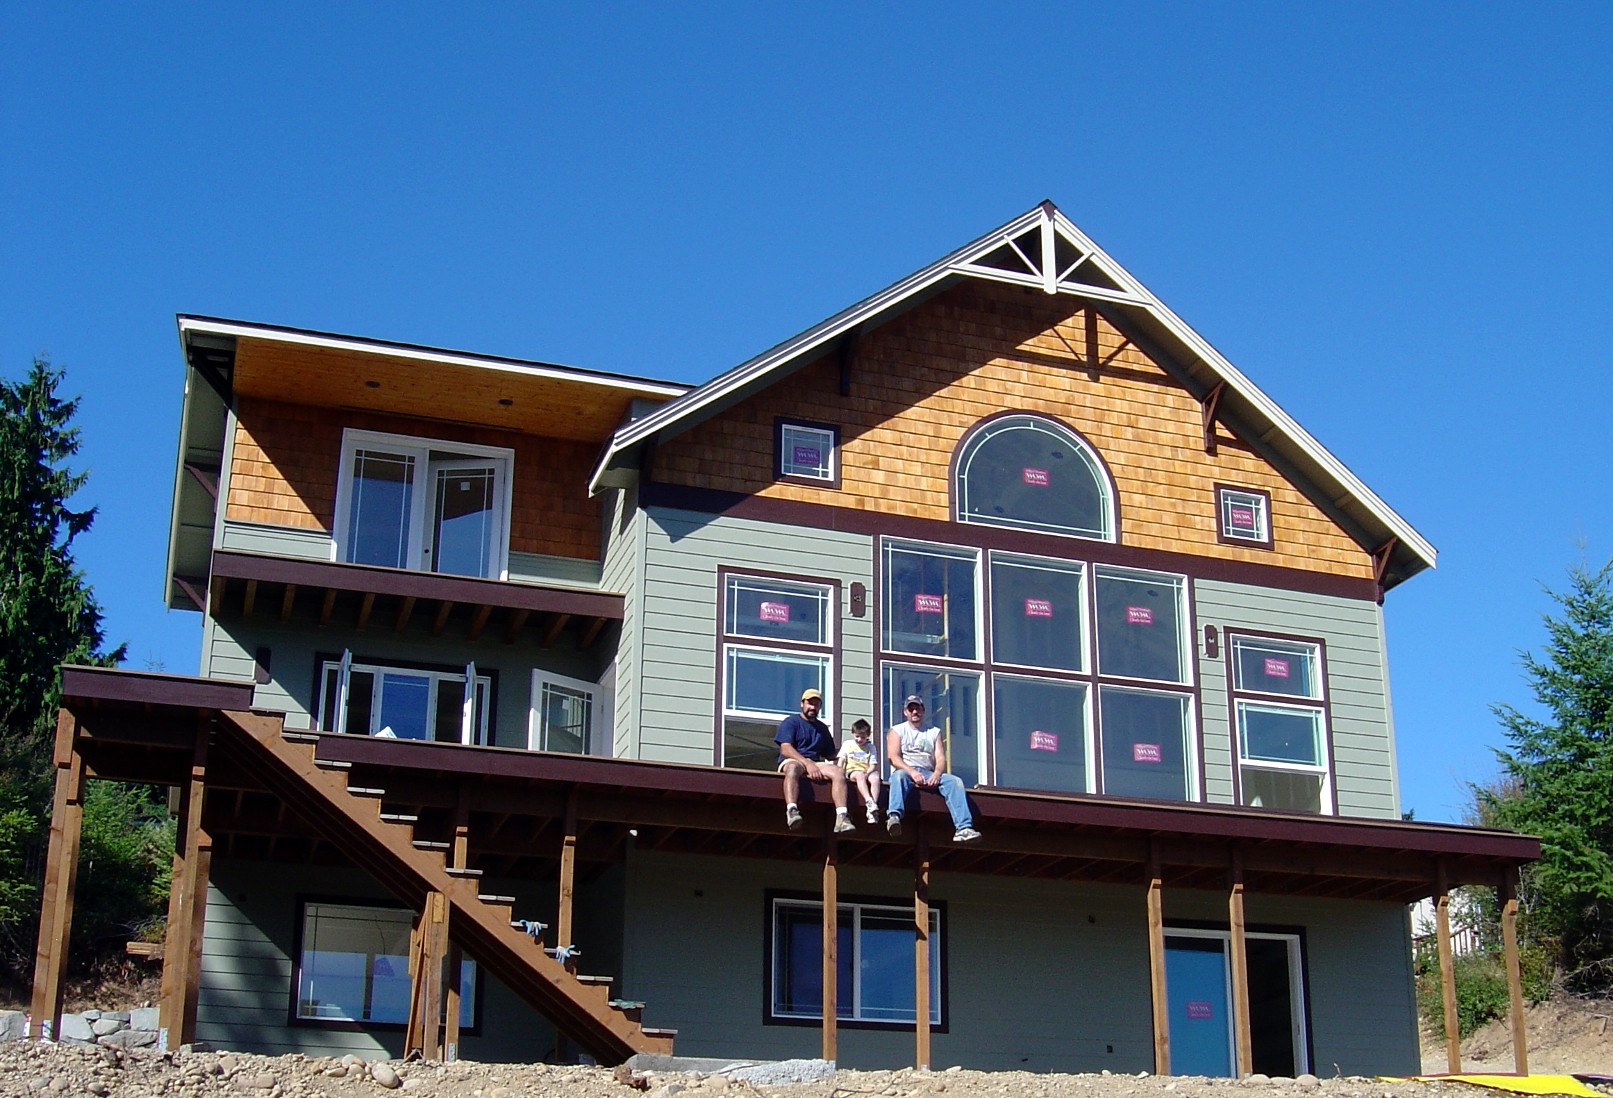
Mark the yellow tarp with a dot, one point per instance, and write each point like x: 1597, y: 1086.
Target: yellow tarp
x: 1521, y: 1084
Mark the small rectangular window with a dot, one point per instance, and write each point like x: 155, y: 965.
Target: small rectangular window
x: 777, y: 641
x: 1244, y: 515
x: 874, y: 951
x: 403, y: 703
x: 354, y: 966
x: 772, y: 609
x: 1038, y: 612
x: 951, y: 703
x: 806, y: 451
x: 1281, y: 724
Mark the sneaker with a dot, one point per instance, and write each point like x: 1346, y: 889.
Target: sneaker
x: 843, y: 824
x: 966, y: 835
x: 873, y: 813
x: 792, y: 817
x: 893, y: 825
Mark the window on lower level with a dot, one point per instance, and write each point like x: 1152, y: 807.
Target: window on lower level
x: 567, y: 715
x: 874, y: 957
x: 353, y: 966
x: 422, y: 504
x: 1281, y: 724
x: 406, y: 703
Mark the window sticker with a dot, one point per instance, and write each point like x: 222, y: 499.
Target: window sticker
x: 1036, y: 478
x: 1044, y: 741
x: 1276, y: 669
x: 1038, y: 608
x: 1146, y: 753
x: 1139, y: 615
x: 1199, y: 1008
x: 928, y: 604
x: 809, y: 455
x: 1242, y: 516
x: 776, y: 611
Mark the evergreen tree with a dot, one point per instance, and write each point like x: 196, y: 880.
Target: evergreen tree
x: 1557, y: 778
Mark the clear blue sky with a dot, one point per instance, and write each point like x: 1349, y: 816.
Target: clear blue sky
x: 1396, y: 219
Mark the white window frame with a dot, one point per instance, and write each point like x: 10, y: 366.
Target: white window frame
x: 402, y: 918
x: 977, y: 596
x: 1184, y: 643
x: 731, y: 643
x: 1299, y: 1025
x: 975, y: 440
x: 827, y: 470
x: 598, y: 738
x: 1258, y: 502
x: 422, y: 449
x: 850, y: 914
x: 1312, y: 704
x: 474, y: 718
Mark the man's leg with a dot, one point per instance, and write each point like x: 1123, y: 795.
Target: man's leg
x: 901, y: 786
x: 792, y: 782
x: 957, y: 800
x: 837, y: 783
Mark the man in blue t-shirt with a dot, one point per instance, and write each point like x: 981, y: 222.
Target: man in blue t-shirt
x: 805, y: 746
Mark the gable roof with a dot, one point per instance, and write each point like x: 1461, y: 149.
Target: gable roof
x: 1043, y: 249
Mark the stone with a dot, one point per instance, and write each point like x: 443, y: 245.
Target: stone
x: 384, y: 1076
x: 131, y: 1038
x: 667, y: 1090
x: 99, y: 1088
x: 76, y: 1028
x: 104, y: 1026
x: 1307, y: 1081
x: 92, y: 1015
x: 11, y: 1025
x: 144, y: 1018
x: 260, y: 1080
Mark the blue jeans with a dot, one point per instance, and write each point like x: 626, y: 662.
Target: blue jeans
x: 951, y: 792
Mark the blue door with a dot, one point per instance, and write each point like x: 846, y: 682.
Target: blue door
x: 1200, y: 1015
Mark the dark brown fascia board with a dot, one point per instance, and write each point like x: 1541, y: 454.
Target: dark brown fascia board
x: 1217, y: 822
x: 233, y: 564
x: 111, y: 684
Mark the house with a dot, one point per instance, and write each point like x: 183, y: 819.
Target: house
x: 493, y: 652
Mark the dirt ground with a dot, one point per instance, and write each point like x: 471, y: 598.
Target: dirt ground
x: 1563, y: 1037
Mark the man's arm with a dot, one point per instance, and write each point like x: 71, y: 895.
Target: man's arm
x: 940, y: 755
x: 893, y: 751
x: 788, y: 750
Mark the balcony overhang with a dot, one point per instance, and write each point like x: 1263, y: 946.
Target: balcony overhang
x: 362, y: 596
x: 142, y: 727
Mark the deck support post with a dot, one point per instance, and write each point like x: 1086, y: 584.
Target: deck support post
x: 187, y: 902
x: 568, y: 872
x: 1508, y: 895
x: 61, y: 879
x: 831, y: 947
x: 430, y: 940
x: 921, y: 945
x: 1240, y: 969
x: 1447, y: 972
x: 460, y: 855
x: 1156, y: 962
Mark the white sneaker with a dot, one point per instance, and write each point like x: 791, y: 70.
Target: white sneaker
x: 792, y: 817
x: 873, y: 813
x: 966, y: 835
x: 843, y: 824
x: 893, y: 825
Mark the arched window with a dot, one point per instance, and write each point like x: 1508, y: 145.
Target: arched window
x: 1031, y: 473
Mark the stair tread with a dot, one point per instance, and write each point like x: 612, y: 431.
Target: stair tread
x: 430, y: 844
x: 463, y: 871
x: 596, y: 980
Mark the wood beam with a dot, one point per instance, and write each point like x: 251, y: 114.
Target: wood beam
x: 921, y: 945
x: 326, y: 605
x: 557, y: 623
x: 591, y: 633
x: 1240, y: 970
x: 250, y: 599
x: 479, y: 621
x: 831, y: 945
x: 568, y: 872
x: 1508, y: 895
x: 1210, y: 407
x: 1156, y: 964
x: 513, y: 627
x: 1447, y: 972
x: 428, y: 982
x: 288, y: 599
x: 61, y: 880
x: 405, y: 611
x: 444, y: 608
x: 185, y: 986
x: 365, y: 606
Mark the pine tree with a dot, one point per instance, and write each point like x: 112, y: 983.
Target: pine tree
x: 1557, y: 777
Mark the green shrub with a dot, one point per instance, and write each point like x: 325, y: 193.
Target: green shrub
x: 1481, y: 986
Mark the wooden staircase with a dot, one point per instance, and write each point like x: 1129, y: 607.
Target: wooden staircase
x: 384, y: 845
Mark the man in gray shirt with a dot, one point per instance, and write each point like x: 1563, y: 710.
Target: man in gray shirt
x: 918, y: 758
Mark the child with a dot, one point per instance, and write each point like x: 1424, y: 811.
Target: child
x: 859, y: 758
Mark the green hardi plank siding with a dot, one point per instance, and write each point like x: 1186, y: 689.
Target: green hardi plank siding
x: 1039, y: 975
x: 1357, y: 686
x: 281, y: 541
x: 623, y: 540
x: 679, y: 680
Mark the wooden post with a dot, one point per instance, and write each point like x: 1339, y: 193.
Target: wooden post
x: 1447, y: 973
x: 186, y: 987
x: 1156, y: 963
x: 61, y: 879
x: 921, y: 944
x: 169, y: 1006
x: 568, y: 870
x: 456, y: 960
x: 1240, y: 969
x: 1508, y: 895
x: 433, y: 945
x: 831, y: 948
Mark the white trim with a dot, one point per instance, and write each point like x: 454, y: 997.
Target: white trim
x: 536, y: 734
x: 1297, y: 998
x: 426, y: 354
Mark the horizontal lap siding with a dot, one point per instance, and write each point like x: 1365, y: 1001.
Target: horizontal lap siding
x: 1357, y: 686
x: 622, y: 568
x: 281, y: 541
x: 285, y: 458
x: 679, y: 681
x: 921, y: 381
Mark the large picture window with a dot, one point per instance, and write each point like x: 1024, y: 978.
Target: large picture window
x: 1281, y: 726
x: 931, y: 601
x: 406, y: 703
x: 415, y: 503
x: 1031, y: 473
x: 874, y: 953
x: 353, y: 966
x: 777, y: 641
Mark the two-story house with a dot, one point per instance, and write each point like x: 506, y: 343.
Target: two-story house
x: 491, y: 643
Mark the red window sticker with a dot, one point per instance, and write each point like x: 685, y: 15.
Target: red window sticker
x: 1035, y: 477
x: 1139, y: 615
x: 1198, y: 1008
x: 775, y: 611
x: 1146, y: 753
x: 1044, y: 741
x: 1276, y: 669
x: 928, y: 604
x: 808, y: 455
x: 1038, y: 608
x: 1243, y: 516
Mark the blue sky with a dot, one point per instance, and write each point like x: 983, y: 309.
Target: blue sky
x: 1395, y: 219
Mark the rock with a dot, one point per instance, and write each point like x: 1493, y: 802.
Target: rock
x: 11, y: 1025
x: 144, y: 1018
x: 1307, y: 1081
x: 667, y: 1090
x: 75, y: 1028
x: 1257, y: 1079
x: 384, y: 1076
x: 99, y: 1088
x: 259, y: 1080
x: 130, y: 1038
x: 103, y: 1027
